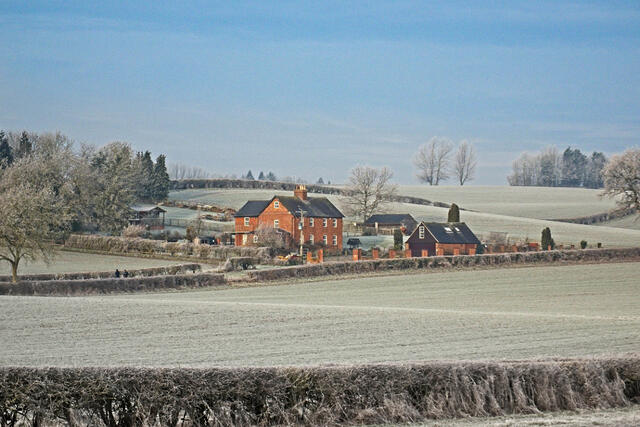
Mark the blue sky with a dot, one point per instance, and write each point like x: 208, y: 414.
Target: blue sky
x: 313, y: 88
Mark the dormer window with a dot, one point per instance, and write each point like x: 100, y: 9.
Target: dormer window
x: 421, y: 232
x: 276, y: 204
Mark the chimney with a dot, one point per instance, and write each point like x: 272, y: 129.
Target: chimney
x: 300, y: 192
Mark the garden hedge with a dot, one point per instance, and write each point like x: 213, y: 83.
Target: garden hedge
x: 366, y: 394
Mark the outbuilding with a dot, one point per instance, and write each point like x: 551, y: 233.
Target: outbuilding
x: 389, y: 222
x: 454, y: 238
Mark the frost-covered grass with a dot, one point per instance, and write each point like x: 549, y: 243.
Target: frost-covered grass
x: 75, y: 262
x: 516, y: 313
x: 530, y: 202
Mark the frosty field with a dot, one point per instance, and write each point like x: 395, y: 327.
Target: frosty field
x: 576, y: 310
x: 72, y: 262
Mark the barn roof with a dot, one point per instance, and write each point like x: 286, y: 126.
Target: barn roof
x: 451, y: 232
x: 391, y: 219
x: 314, y: 207
x: 146, y: 208
x: 252, y: 208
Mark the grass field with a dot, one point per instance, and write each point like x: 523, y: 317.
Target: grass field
x: 529, y: 312
x: 73, y: 262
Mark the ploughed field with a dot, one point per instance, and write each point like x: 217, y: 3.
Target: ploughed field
x: 77, y: 262
x: 515, y: 313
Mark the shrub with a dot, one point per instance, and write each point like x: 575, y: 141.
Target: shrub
x: 133, y: 231
x: 583, y: 244
x: 397, y: 239
x: 546, y: 240
x: 454, y: 213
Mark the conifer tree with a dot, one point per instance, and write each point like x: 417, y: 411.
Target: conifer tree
x: 249, y: 176
x: 6, y: 152
x: 454, y: 213
x: 547, y: 240
x: 261, y: 176
x: 271, y: 177
x: 161, y: 179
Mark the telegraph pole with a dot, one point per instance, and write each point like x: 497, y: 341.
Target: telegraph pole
x: 301, y: 228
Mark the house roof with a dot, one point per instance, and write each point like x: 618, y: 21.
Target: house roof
x: 147, y: 208
x: 252, y: 208
x: 314, y: 207
x: 452, y: 232
x: 390, y: 219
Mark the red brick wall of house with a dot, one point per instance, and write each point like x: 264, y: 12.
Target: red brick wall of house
x: 449, y: 247
x: 289, y: 223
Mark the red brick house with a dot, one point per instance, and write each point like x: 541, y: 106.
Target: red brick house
x: 453, y: 238
x: 321, y: 220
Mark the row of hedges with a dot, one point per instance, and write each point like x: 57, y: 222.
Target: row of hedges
x: 368, y: 394
x: 143, y: 272
x: 122, y: 245
x: 286, y: 186
x: 111, y: 285
x: 600, y: 217
x: 460, y: 261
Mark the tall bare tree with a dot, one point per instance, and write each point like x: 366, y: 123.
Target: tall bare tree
x: 433, y: 160
x: 464, y: 167
x: 182, y: 171
x: 622, y: 179
x: 30, y: 219
x: 368, y: 189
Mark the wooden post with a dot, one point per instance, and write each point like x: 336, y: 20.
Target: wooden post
x: 471, y: 251
x: 392, y: 253
x: 456, y: 251
x: 309, y: 257
x: 407, y: 253
x: 439, y: 251
x: 357, y: 254
x: 425, y: 253
x: 375, y: 253
x: 320, y: 255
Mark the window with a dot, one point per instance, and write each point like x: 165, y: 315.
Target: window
x: 255, y: 238
x: 276, y: 223
x: 246, y: 221
x: 324, y: 239
x: 421, y: 232
x: 335, y: 222
x: 276, y: 204
x: 335, y: 240
x: 311, y: 239
x: 324, y: 222
x: 310, y: 222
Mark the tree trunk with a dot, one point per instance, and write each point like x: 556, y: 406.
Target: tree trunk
x: 14, y: 272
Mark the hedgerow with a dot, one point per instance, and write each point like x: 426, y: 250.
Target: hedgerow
x: 365, y: 394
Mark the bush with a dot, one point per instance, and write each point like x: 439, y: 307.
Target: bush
x: 454, y: 213
x: 583, y: 244
x: 133, y: 231
x: 397, y: 239
x: 546, y: 240
x: 332, y: 395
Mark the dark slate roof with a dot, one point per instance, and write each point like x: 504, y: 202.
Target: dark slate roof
x: 252, y: 208
x: 314, y: 207
x: 391, y: 219
x: 460, y: 233
x: 146, y: 208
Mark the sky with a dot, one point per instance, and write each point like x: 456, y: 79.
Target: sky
x: 312, y: 89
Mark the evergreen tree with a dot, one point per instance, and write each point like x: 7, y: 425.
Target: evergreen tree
x: 261, y: 176
x: 161, y: 179
x: 144, y: 179
x: 573, y: 168
x: 547, y: 240
x: 6, y: 152
x: 397, y: 239
x: 25, y: 147
x: 249, y: 176
x: 593, y: 178
x: 320, y: 181
x: 454, y: 213
x: 271, y: 176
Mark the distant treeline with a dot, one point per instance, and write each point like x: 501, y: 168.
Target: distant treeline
x: 549, y: 168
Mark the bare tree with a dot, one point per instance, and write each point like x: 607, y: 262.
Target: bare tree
x: 465, y: 163
x: 269, y: 236
x: 432, y: 160
x: 622, y: 179
x: 368, y: 189
x: 182, y: 171
x: 30, y: 219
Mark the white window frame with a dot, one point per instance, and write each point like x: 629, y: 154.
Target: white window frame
x: 311, y: 239
x: 310, y: 222
x: 325, y: 240
x: 276, y: 223
x: 421, y: 232
x: 276, y: 204
x: 247, y: 221
x: 324, y: 222
x: 335, y: 222
x: 255, y: 238
x: 335, y: 240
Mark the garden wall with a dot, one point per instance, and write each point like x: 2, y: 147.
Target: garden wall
x: 111, y: 285
x: 461, y: 261
x: 366, y: 394
x: 121, y: 245
x: 144, y: 272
